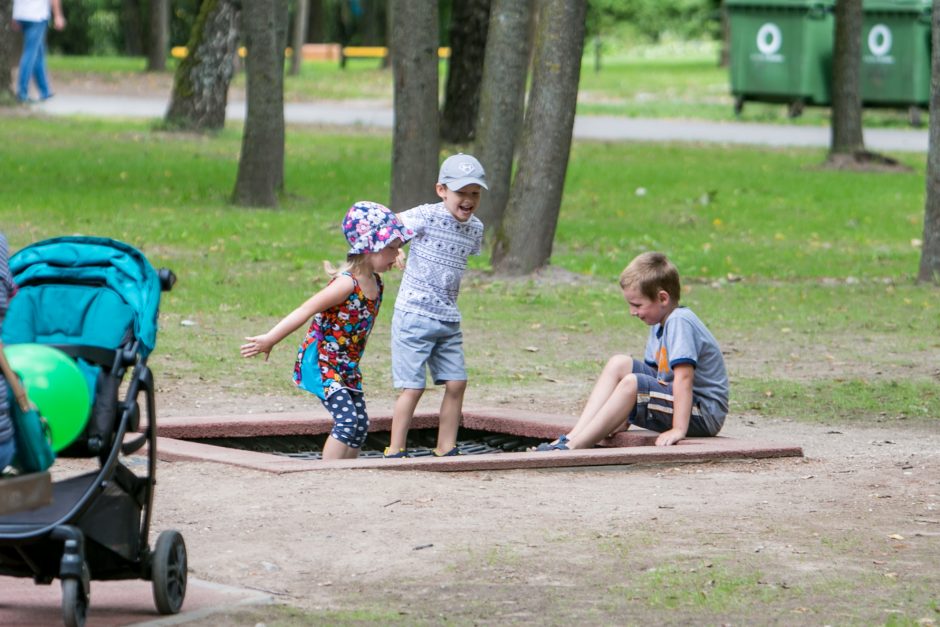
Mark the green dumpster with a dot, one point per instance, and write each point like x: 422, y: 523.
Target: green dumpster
x: 781, y: 51
x: 895, y: 68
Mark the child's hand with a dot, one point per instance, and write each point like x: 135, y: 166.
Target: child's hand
x: 400, y: 259
x: 256, y: 345
x: 668, y: 438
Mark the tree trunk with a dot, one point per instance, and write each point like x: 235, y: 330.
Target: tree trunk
x: 299, y: 36
x: 132, y: 28
x: 261, y: 166
x: 316, y: 21
x: 374, y: 21
x: 159, y: 35
x: 7, y: 52
x: 415, y: 141
x: 502, y: 103
x: 524, y: 240
x: 200, y: 86
x: 468, y: 32
x: 846, y: 139
x: 724, y: 52
x: 930, y: 248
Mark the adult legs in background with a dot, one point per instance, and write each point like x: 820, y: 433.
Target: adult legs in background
x: 33, y: 60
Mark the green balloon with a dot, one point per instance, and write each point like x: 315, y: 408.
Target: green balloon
x: 56, y: 386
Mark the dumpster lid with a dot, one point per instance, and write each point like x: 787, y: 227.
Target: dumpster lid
x: 785, y: 4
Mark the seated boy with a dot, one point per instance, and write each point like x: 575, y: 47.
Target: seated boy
x: 679, y: 389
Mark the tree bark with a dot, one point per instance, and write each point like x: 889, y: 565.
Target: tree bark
x: 846, y: 138
x: 415, y: 140
x: 523, y: 243
x: 930, y: 247
x: 316, y: 21
x: 299, y: 36
x: 374, y: 20
x: 261, y: 166
x: 7, y: 52
x: 132, y: 28
x: 502, y: 103
x: 159, y: 39
x: 200, y: 86
x: 724, y: 52
x: 468, y: 33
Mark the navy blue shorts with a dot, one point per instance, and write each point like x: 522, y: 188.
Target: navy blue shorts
x: 653, y: 409
x: 350, y: 421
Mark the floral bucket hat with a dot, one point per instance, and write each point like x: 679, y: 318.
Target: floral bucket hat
x: 369, y: 227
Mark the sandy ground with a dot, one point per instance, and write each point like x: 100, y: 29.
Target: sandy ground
x: 783, y: 541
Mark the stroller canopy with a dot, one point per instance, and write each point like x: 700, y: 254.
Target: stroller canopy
x: 93, y: 262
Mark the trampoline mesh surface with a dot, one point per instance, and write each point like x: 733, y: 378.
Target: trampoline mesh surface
x: 420, y: 443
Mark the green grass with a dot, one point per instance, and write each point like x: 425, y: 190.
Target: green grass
x: 787, y: 262
x: 701, y: 588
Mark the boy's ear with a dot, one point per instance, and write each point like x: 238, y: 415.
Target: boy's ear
x: 441, y: 190
x: 663, y: 297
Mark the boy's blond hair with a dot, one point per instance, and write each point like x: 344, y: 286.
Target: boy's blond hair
x: 650, y: 272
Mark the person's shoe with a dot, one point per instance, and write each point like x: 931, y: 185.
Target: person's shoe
x: 387, y: 454
x: 561, y: 444
x: 45, y: 98
x: 551, y: 446
x: 451, y: 453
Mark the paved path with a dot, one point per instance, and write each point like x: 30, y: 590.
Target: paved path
x: 118, y: 603
x: 607, y: 128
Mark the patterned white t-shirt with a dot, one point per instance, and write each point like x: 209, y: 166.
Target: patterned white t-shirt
x: 436, y: 261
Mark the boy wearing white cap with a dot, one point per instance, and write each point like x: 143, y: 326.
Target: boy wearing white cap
x: 426, y: 333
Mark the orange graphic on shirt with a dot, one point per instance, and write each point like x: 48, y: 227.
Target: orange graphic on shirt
x: 662, y: 363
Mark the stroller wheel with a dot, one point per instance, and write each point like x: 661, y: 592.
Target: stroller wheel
x: 168, y: 572
x: 74, y: 603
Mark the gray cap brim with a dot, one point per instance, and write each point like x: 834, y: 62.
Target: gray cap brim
x: 459, y: 184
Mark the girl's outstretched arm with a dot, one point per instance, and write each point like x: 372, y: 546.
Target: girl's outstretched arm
x: 331, y: 295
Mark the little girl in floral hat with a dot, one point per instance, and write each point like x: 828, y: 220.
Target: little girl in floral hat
x: 341, y: 317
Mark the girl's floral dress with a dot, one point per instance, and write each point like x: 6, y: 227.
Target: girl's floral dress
x: 328, y: 357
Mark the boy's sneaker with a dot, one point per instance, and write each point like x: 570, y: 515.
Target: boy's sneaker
x: 387, y: 454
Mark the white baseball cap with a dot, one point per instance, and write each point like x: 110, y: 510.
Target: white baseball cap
x: 461, y: 170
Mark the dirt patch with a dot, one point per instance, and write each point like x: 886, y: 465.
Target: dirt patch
x: 862, y: 507
x: 865, y: 161
x: 785, y: 541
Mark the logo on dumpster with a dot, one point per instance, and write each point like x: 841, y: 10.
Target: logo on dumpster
x: 769, y: 41
x: 879, y: 45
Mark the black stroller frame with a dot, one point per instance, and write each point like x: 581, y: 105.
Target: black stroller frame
x: 97, y: 526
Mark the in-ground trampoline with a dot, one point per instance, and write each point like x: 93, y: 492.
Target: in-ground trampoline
x: 489, y: 438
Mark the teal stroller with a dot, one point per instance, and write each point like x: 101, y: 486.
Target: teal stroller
x: 97, y: 300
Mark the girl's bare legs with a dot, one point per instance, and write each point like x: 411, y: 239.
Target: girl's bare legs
x: 402, y: 414
x: 615, y: 410
x: 334, y: 449
x: 451, y: 406
x: 617, y: 369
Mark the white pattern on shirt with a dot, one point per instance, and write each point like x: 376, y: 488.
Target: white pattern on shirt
x: 436, y: 261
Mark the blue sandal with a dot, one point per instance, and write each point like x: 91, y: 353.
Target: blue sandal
x: 401, y: 453
x: 561, y: 444
x: 451, y: 453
